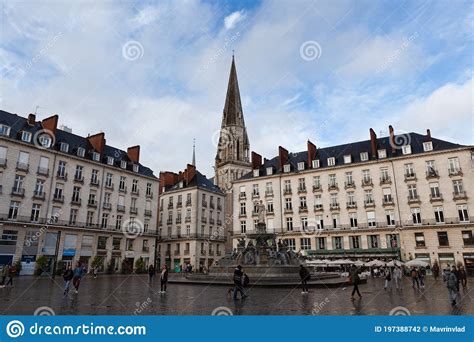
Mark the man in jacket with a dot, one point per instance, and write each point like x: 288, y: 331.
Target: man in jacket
x: 238, y: 274
x: 67, y: 276
x: 78, y: 273
x: 355, y: 278
x: 452, y: 285
x: 305, y: 276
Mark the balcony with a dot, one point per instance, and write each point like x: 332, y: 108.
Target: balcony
x: 459, y: 195
x: 109, y: 186
x: 177, y: 252
x: 92, y: 203
x: 178, y: 220
x: 3, y: 162
x: 410, y: 176
x: 414, y: 199
x: 334, y: 206
x: 204, y: 204
x: 333, y: 187
x: 242, y: 214
x: 218, y: 253
x: 255, y: 195
x: 385, y: 180
x: 17, y: 191
x: 148, y: 195
x: 269, y: 193
x: 120, y: 208
x: 188, y: 203
x: 170, y: 205
x: 212, y: 221
x: 288, y: 211
x: 351, y: 205
x: 42, y: 171
x: 317, y: 188
x: 133, y: 210
x: 187, y: 219
x: 107, y: 206
x: 94, y: 182
x: 436, y: 198
x: 58, y: 198
x: 219, y: 222
x: 369, y: 204
x: 219, y: 207
x: 186, y: 252
x: 254, y: 213
x: 135, y: 191
x: 211, y: 253
x: 203, y: 252
x: 303, y: 209
x: 179, y: 205
x: 318, y: 208
x: 75, y: 201
x: 169, y: 221
x: 40, y: 195
x: 367, y: 182
x: 147, y: 212
x: 204, y: 219
x: 387, y: 201
x: 301, y: 189
x: 122, y: 188
x: 287, y: 191
x: 455, y: 172
x: 349, y: 185
x: 79, y: 178
x: 432, y: 174
x: 22, y: 167
x: 61, y: 175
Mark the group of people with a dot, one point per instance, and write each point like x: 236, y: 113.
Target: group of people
x: 75, y: 276
x: 393, y: 276
x: 8, y: 271
x: 241, y: 281
x: 163, y: 277
x: 418, y: 275
x: 454, y: 279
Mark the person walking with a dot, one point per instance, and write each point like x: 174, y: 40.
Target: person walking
x: 238, y: 275
x: 78, y: 273
x: 414, y: 278
x: 305, y: 276
x: 397, y: 276
x: 388, y: 279
x: 451, y: 283
x: 463, y: 276
x: 151, y: 273
x: 458, y: 276
x: 355, y: 279
x: 5, y: 271
x: 11, y: 274
x: 164, y: 279
x: 435, y: 270
x: 67, y: 276
x: 421, y: 276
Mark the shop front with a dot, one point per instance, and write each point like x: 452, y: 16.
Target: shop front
x: 469, y: 263
x: 446, y: 260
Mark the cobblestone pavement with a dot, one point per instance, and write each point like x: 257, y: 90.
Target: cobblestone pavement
x: 132, y: 294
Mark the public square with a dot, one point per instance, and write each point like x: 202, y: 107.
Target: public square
x: 132, y: 295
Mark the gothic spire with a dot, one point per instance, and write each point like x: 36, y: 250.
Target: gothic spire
x: 233, y: 114
x: 194, y: 152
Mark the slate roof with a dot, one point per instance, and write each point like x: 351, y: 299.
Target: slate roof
x: 354, y: 149
x: 18, y: 124
x: 201, y: 181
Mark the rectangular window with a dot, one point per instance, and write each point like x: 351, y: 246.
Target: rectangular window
x: 338, y: 242
x: 364, y: 156
x: 289, y: 224
x: 355, y: 241
x: 371, y: 219
x: 439, y: 214
x: 443, y: 239
x: 331, y: 161
x: 305, y: 244
x: 420, y: 240
x: 467, y: 238
x: 416, y: 215
x: 463, y: 214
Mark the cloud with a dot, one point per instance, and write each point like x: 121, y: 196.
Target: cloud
x: 233, y: 19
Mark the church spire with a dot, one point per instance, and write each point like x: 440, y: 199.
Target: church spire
x: 194, y: 152
x: 233, y: 114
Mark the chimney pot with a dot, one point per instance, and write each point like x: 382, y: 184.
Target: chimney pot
x: 31, y: 119
x: 373, y: 144
x: 428, y: 133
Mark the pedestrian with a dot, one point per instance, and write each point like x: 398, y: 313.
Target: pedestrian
x: 451, y: 283
x: 67, y: 276
x: 397, y: 276
x: 79, y: 272
x: 151, y: 273
x: 245, y: 283
x: 305, y: 277
x: 238, y: 275
x: 5, y: 271
x: 11, y: 274
x: 388, y: 278
x: 94, y: 272
x: 458, y: 276
x: 164, y: 279
x: 463, y: 276
x: 435, y: 270
x: 414, y: 278
x: 355, y: 279
x: 421, y: 276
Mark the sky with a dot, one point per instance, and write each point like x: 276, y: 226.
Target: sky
x: 155, y: 74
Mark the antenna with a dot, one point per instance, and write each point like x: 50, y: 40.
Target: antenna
x: 36, y: 109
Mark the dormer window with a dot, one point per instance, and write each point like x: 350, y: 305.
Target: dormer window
x: 180, y: 185
x: 347, y: 159
x: 123, y: 164
x: 64, y: 147
x: 25, y: 136
x: 427, y: 146
x: 45, y: 140
x: 301, y: 166
x: 286, y: 168
x: 269, y: 171
x: 331, y: 161
x: 256, y: 172
x: 110, y: 161
x: 135, y: 167
x: 95, y: 156
x: 81, y: 152
x: 364, y: 156
x: 406, y: 149
x: 382, y: 153
x: 4, y: 130
x: 315, y: 164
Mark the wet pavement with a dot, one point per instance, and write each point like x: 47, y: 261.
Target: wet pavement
x: 132, y: 294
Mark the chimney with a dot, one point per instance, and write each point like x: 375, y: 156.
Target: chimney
x: 31, y: 119
x: 50, y: 123
x: 392, y: 139
x: 428, y: 133
x: 97, y: 141
x: 167, y: 179
x: 256, y: 161
x: 133, y: 154
x: 282, y: 157
x: 189, y: 173
x: 373, y: 144
x: 311, y: 153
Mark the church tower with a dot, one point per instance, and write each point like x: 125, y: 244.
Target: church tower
x: 232, y: 159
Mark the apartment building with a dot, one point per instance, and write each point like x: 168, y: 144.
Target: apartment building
x: 72, y: 198
x: 191, y: 220
x: 402, y: 196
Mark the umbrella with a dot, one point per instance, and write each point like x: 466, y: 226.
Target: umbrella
x: 416, y: 263
x: 395, y: 263
x: 315, y: 262
x: 376, y: 263
x: 359, y: 263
